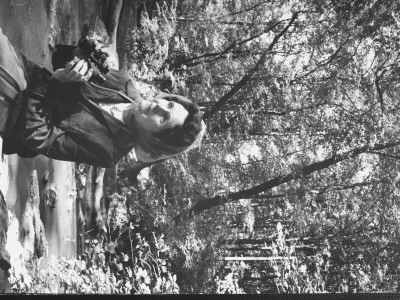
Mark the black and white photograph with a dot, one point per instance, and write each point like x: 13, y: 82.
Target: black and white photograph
x: 199, y: 147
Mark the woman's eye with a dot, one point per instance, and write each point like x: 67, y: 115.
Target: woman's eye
x: 171, y: 105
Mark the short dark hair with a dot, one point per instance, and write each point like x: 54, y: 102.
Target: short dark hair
x: 186, y: 134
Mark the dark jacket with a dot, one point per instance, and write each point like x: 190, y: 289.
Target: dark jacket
x: 64, y: 122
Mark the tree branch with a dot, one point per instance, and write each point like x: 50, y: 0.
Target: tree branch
x: 225, y: 51
x: 249, y: 74
x: 385, y: 154
x: 307, y: 170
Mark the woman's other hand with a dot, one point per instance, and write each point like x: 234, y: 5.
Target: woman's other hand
x: 74, y: 72
x: 111, y: 60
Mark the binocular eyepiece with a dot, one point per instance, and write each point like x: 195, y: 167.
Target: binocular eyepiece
x: 96, y: 57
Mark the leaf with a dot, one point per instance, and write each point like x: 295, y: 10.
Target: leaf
x: 110, y: 247
x: 164, y: 248
x: 120, y: 267
x: 128, y: 285
x: 129, y: 271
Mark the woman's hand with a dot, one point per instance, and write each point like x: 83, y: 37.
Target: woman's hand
x: 74, y: 72
x: 111, y: 60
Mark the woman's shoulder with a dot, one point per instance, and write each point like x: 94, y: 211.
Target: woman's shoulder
x: 116, y: 79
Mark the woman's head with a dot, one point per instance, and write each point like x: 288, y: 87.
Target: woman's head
x: 159, y: 115
x: 169, y: 124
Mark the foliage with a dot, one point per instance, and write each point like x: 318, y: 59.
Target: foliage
x: 140, y: 271
x: 148, y: 46
x: 229, y: 283
x: 293, y: 276
x: 329, y: 84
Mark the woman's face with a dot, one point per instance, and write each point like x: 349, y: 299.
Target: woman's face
x: 159, y: 114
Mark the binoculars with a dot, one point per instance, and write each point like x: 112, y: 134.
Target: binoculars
x: 95, y: 57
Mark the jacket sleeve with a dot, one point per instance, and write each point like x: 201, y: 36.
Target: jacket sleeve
x: 41, y: 134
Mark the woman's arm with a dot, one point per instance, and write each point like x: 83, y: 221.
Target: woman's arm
x: 40, y: 133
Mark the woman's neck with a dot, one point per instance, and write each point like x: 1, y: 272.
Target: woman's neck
x: 128, y: 117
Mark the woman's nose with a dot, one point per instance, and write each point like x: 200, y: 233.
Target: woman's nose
x: 161, y: 108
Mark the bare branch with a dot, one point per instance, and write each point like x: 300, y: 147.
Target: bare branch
x: 307, y: 170
x: 250, y: 73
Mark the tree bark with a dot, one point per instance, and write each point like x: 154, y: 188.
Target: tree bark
x: 98, y: 197
x: 307, y: 170
x: 112, y: 18
x: 80, y: 181
x: 4, y: 256
x: 251, y: 258
x: 88, y: 198
x: 126, y: 19
x: 33, y: 237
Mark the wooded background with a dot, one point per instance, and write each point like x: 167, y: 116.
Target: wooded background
x: 300, y: 159
x: 296, y: 185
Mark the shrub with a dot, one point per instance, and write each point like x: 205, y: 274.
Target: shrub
x: 141, y: 271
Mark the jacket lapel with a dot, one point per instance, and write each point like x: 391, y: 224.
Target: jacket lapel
x: 113, y: 124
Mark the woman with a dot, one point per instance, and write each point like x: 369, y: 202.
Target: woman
x: 63, y: 116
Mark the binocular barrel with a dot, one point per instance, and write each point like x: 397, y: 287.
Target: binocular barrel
x: 95, y: 56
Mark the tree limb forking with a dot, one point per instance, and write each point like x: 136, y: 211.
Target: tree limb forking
x: 227, y: 49
x: 247, y: 77
x: 307, y: 170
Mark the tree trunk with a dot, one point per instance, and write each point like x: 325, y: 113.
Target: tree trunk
x: 97, y: 198
x: 251, y: 258
x: 4, y: 256
x: 88, y: 198
x: 126, y: 19
x: 112, y: 18
x: 80, y: 181
x: 247, y: 241
x: 33, y: 237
